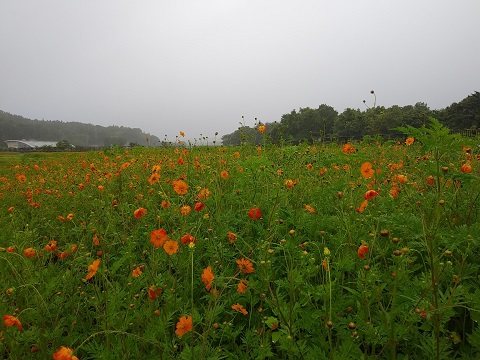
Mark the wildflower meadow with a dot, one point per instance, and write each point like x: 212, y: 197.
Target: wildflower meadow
x: 357, y: 250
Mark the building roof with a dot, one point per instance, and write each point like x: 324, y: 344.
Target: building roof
x: 30, y: 143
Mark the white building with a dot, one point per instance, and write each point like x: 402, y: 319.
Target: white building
x: 29, y: 144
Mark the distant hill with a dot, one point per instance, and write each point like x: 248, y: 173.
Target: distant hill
x: 15, y: 127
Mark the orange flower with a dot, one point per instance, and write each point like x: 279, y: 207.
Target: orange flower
x: 96, y: 240
x: 466, y: 168
x: 366, y: 170
x: 158, y: 237
x: 10, y: 320
x: 289, y: 183
x: 232, y: 237
x: 261, y: 129
x: 348, y: 149
x: 30, y: 252
x: 11, y: 208
x: 51, y: 246
x: 184, y: 325
x: 402, y: 179
x: 409, y: 141
x: 92, y: 269
x: 245, y: 266
x: 203, y: 194
x: 370, y: 194
x: 325, y: 265
x: 187, y: 239
x: 362, y: 250
x: 185, y: 210
x: 242, y: 286
x: 10, y: 249
x: 207, y: 278
x: 182, y: 134
x: 153, y: 292
x: 154, y: 178
x: 255, y: 213
x: 239, y: 308
x: 362, y: 207
x: 430, y: 180
x: 139, y: 213
x: 137, y: 272
x: 199, y: 206
x: 224, y: 174
x: 165, y: 204
x: 310, y: 209
x: 64, y: 353
x: 180, y: 187
x: 170, y: 247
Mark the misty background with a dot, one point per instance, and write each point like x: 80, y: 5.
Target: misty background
x: 199, y: 66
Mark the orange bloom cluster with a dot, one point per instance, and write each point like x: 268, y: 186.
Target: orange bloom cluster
x: 180, y: 187
x: 348, y: 149
x: 158, y: 237
x: 10, y: 320
x: 207, y: 278
x: 92, y: 269
x: 64, y: 353
x: 239, y: 308
x: 245, y: 266
x: 184, y: 325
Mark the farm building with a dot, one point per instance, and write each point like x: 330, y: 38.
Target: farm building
x: 29, y: 144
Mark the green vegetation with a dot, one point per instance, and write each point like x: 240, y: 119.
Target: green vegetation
x: 318, y: 251
x: 325, y: 124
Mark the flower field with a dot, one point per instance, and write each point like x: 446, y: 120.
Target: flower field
x: 363, y: 250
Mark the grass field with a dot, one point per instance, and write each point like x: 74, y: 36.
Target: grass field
x: 318, y: 251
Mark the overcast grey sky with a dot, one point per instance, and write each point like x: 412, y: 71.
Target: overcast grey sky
x: 198, y: 65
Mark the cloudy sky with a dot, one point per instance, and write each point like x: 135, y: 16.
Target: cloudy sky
x: 198, y: 66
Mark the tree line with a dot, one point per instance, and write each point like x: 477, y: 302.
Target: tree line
x: 326, y: 124
x: 15, y: 127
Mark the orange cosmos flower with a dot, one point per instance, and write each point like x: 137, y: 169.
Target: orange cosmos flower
x: 96, y: 240
x: 348, y: 149
x: 92, y: 269
x: 366, y: 170
x: 184, y: 325
x: 239, y: 308
x: 224, y: 174
x: 203, y: 194
x: 199, y: 206
x: 51, y: 246
x: 165, y: 204
x: 10, y: 320
x: 245, y: 266
x: 30, y: 252
x: 158, y: 237
x: 370, y: 194
x: 185, y: 210
x: 11, y: 208
x: 153, y: 292
x: 409, y: 141
x: 232, y: 237
x: 154, y: 178
x: 182, y: 134
x: 255, y: 213
x: 139, y: 213
x: 261, y: 129
x: 466, y: 168
x: 362, y: 207
x: 64, y: 353
x: 10, y: 249
x: 362, y: 250
x: 170, y: 247
x: 137, y: 272
x: 180, y: 187
x: 187, y: 239
x: 101, y: 187
x: 310, y: 209
x: 207, y: 278
x: 242, y: 286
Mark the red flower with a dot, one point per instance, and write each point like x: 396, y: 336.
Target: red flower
x: 362, y: 250
x: 187, y: 239
x: 153, y: 292
x: 199, y: 206
x: 255, y: 213
x: 370, y: 194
